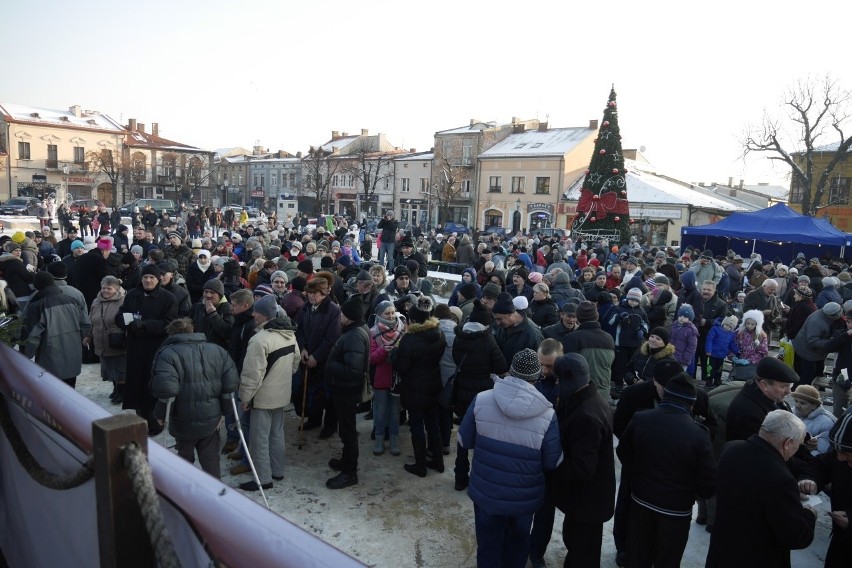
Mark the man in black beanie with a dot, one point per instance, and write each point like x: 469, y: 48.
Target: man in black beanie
x: 593, y: 343
x: 345, y: 373
x: 666, y: 439
x: 515, y: 331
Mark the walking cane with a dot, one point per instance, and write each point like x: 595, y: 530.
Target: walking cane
x: 166, y: 421
x: 245, y: 446
x: 304, y: 401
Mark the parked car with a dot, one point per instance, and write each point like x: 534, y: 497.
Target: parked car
x: 158, y: 205
x: 494, y: 231
x: 90, y: 204
x: 550, y: 232
x: 20, y: 206
x: 455, y: 228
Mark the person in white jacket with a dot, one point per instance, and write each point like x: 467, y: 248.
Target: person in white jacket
x: 818, y: 419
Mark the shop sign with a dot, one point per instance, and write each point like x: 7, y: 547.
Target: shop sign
x: 647, y: 212
x: 540, y: 207
x: 257, y: 192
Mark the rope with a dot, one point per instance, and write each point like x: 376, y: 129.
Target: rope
x: 31, y: 465
x: 149, y: 505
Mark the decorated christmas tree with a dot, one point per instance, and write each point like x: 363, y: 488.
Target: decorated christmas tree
x: 602, y: 210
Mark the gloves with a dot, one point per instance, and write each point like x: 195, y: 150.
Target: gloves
x: 137, y: 328
x: 740, y: 361
x: 31, y: 268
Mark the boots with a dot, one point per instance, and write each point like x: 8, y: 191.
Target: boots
x: 118, y: 397
x: 394, y: 446
x: 419, y: 467
x: 436, y: 460
x: 379, y: 446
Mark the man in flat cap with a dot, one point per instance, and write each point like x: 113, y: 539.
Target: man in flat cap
x: 773, y: 381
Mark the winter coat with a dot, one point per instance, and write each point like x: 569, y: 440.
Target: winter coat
x: 598, y: 347
x: 562, y: 293
x: 812, y: 341
x: 515, y: 435
x: 544, y: 313
x: 195, y: 280
x: 476, y: 353
x: 666, y: 439
x: 825, y: 469
x: 182, y: 296
x: 710, y: 271
x: 685, y: 341
x: 417, y: 359
x: 144, y: 336
x: 513, y: 339
x: 52, y: 332
x: 644, y: 396
x: 631, y: 325
x: 17, y: 277
x: 448, y: 253
x: 720, y: 342
x: 659, y: 313
x: 747, y: 411
x: 216, y: 326
x: 583, y: 485
x: 714, y: 308
x: 828, y: 294
x: 260, y: 385
x: 464, y: 252
x: 797, y: 316
x: 526, y: 291
x: 818, y: 423
x: 745, y: 341
x: 197, y: 374
x: 318, y: 329
x: 454, y: 295
x: 448, y: 366
x: 348, y: 362
x: 380, y: 362
x: 759, y: 515
x: 691, y: 294
x: 292, y: 303
x: 182, y: 254
x: 91, y: 268
x: 102, y: 316
x: 644, y: 361
x: 557, y: 331
x: 241, y: 333
x: 388, y: 227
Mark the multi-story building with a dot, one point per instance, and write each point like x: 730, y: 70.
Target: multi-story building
x: 271, y: 177
x: 835, y: 205
x: 45, y: 151
x: 164, y: 169
x: 520, y: 178
x: 454, y: 169
x: 413, y: 189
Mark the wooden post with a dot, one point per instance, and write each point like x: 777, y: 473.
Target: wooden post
x: 123, y: 539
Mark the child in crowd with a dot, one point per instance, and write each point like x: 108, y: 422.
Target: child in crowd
x: 752, y: 342
x: 721, y: 342
x: 685, y: 338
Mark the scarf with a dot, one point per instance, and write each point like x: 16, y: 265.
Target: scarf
x: 388, y: 332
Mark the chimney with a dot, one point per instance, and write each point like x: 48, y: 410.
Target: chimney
x: 365, y: 132
x: 299, y: 155
x: 515, y: 120
x: 413, y: 151
x: 542, y: 127
x: 730, y: 182
x: 335, y: 134
x: 741, y: 184
x: 155, y: 128
x: 140, y: 128
x: 344, y: 134
x: 257, y: 150
x: 593, y: 125
x: 474, y: 121
x: 76, y: 110
x: 700, y: 184
x: 132, y: 125
x: 518, y: 128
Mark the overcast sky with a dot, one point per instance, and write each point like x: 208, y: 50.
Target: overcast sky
x: 689, y: 76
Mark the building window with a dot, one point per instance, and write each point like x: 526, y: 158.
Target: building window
x: 495, y: 184
x: 465, y: 185
x: 405, y: 188
x: 273, y: 179
x: 467, y: 152
x: 255, y: 180
x: 542, y: 185
x: 446, y: 148
x: 79, y: 155
x: 839, y: 193
x: 518, y: 184
x: 424, y: 185
x: 23, y: 150
x: 334, y: 181
x: 292, y: 180
x: 52, y: 156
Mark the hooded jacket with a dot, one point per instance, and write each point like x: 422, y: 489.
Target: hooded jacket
x: 514, y: 430
x: 197, y: 374
x: 52, y: 330
x: 417, y: 359
x: 271, y: 359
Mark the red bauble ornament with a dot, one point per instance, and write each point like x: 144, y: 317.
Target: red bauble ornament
x: 602, y: 152
x: 624, y: 171
x: 617, y: 219
x: 596, y: 197
x: 593, y: 219
x: 615, y: 170
x: 623, y: 192
x: 588, y: 172
x: 632, y: 221
x: 605, y: 123
x: 611, y: 103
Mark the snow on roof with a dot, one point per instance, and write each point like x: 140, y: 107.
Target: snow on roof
x: 88, y: 119
x: 477, y: 127
x: 643, y: 187
x: 419, y: 156
x: 773, y: 191
x: 552, y: 142
x: 276, y: 161
x: 338, y: 143
x: 827, y: 148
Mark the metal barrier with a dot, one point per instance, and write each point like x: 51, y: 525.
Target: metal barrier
x: 81, y: 522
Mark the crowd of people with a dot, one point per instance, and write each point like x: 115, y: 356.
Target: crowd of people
x: 546, y: 353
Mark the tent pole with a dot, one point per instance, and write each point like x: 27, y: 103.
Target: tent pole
x: 753, y: 246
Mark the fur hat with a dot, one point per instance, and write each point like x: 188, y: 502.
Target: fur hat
x: 317, y: 285
x: 525, y: 365
x: 504, y: 304
x: 400, y: 271
x: 421, y: 309
x: 353, y: 309
x: 775, y: 370
x: 267, y: 307
x: 757, y: 317
x: 587, y: 311
x: 215, y: 285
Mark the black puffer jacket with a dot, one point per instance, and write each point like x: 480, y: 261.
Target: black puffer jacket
x: 17, y: 276
x: 644, y: 362
x: 195, y: 280
x: 197, y: 374
x: 544, y: 313
x: 477, y: 355
x: 417, y: 360
x: 349, y: 358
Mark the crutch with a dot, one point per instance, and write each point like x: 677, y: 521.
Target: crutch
x: 245, y: 446
x: 304, y: 402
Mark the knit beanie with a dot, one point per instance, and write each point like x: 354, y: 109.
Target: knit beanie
x: 267, y: 307
x: 490, y: 290
x: 306, y: 266
x: 686, y: 310
x: 662, y: 333
x: 326, y: 262
x: 263, y: 290
x: 151, y: 269
x: 525, y: 365
x: 468, y: 291
x: 680, y: 389
x: 573, y: 372
x: 279, y: 274
x: 587, y: 311
x: 634, y: 294
x: 840, y: 435
x: 665, y: 369
x: 215, y: 285
x: 382, y: 306
x: 299, y: 283
x: 353, y: 309
x: 43, y: 280
x: 480, y: 314
x: 504, y: 304
x: 421, y: 309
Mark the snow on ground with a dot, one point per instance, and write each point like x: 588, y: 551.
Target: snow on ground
x: 392, y: 518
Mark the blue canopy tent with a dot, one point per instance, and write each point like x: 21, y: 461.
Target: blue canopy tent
x: 776, y: 231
